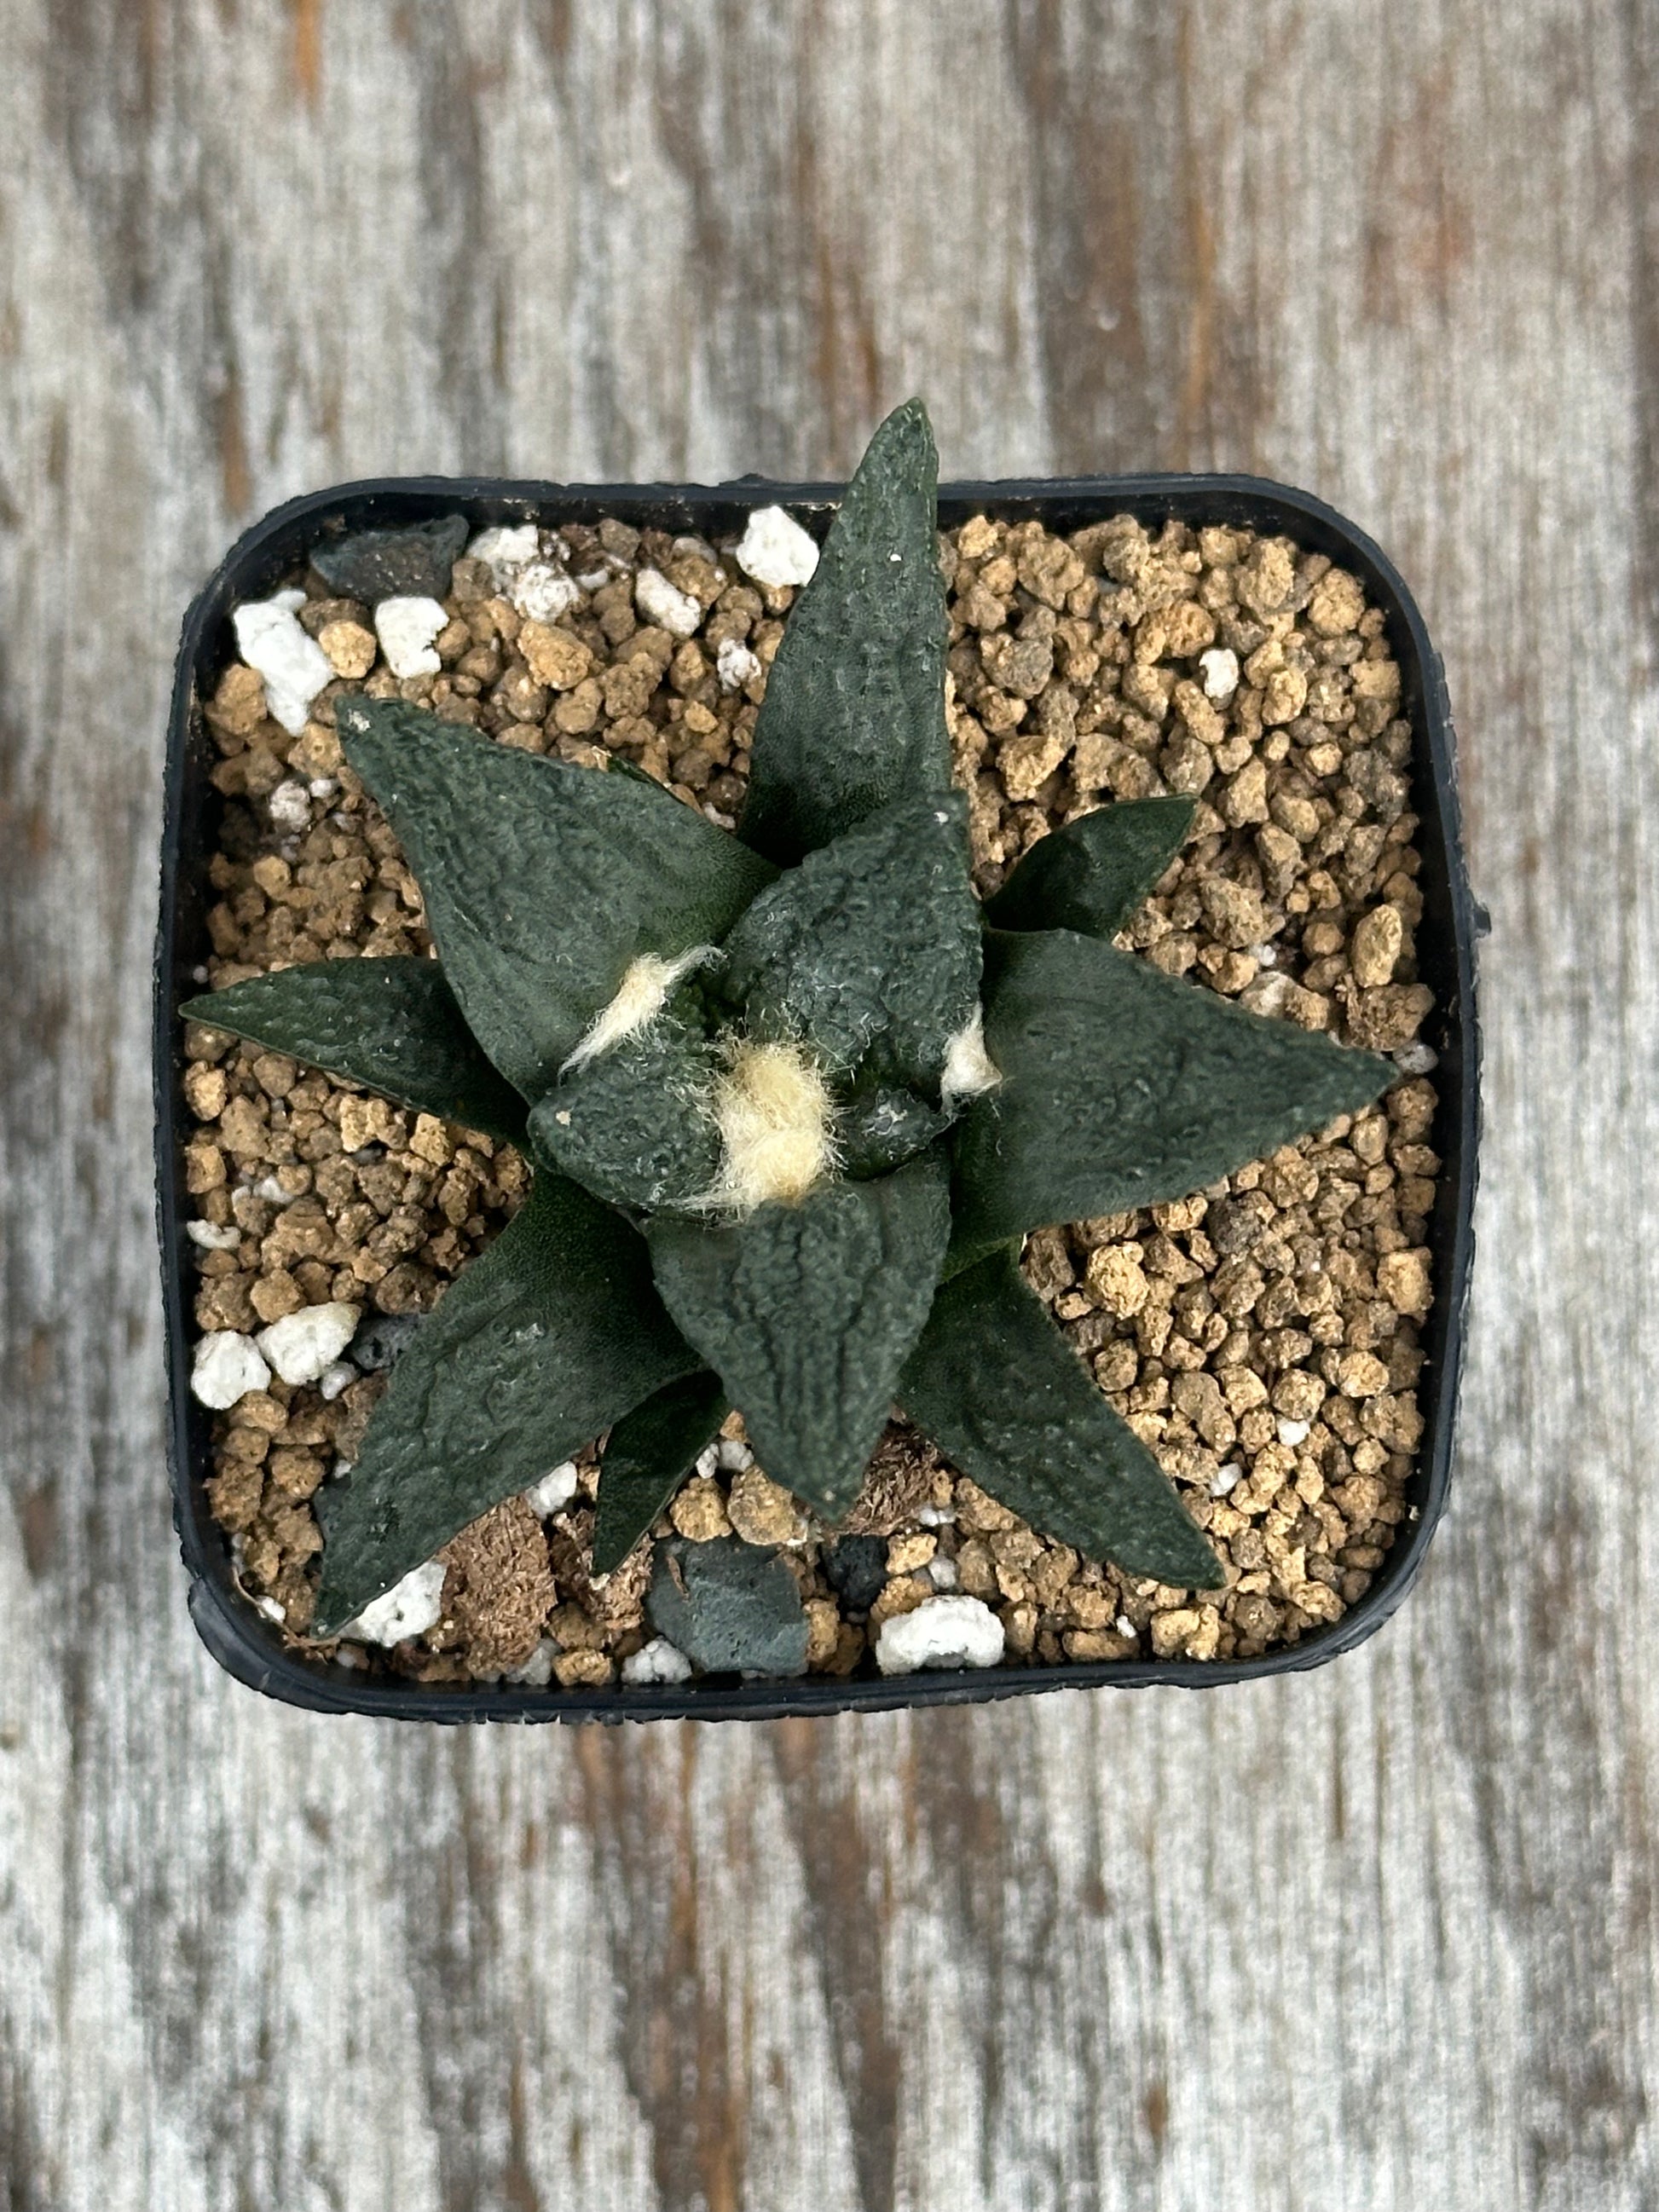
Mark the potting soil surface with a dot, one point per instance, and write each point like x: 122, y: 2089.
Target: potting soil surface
x: 1262, y: 1335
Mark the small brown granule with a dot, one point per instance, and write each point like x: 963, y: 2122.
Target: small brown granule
x: 698, y: 1510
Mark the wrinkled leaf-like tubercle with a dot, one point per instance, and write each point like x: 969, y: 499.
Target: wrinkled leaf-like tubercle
x: 1122, y: 1087
x: 635, y: 1125
x: 649, y: 1454
x: 552, y: 1335
x: 1003, y: 1394
x: 853, y: 717
x: 391, y: 1025
x: 1090, y: 874
x: 807, y: 1313
x: 543, y: 881
x: 870, y: 949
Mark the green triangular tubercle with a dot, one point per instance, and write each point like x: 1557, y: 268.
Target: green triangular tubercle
x: 870, y: 949
x: 634, y: 1124
x: 807, y: 1314
x: 649, y: 1454
x: 853, y: 717
x: 1006, y: 1399
x: 391, y: 1025
x: 551, y: 1335
x: 543, y: 880
x: 1122, y: 1087
x: 1092, y: 873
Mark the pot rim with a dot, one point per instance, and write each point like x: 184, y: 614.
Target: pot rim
x: 241, y: 1639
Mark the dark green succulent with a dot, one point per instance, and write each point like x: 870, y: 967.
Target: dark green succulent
x: 792, y: 1097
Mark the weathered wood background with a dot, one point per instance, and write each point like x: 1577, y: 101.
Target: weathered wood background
x: 1376, y: 1939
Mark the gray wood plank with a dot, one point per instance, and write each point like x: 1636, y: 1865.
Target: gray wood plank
x: 1382, y: 1937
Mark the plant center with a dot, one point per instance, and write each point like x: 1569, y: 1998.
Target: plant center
x: 776, y: 1117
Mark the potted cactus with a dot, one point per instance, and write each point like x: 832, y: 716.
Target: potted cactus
x: 792, y: 1096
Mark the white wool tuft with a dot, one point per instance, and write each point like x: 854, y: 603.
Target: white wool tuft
x: 969, y: 1068
x: 640, y: 997
x: 775, y: 1115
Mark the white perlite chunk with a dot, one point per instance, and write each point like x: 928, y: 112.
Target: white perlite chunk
x: 506, y: 552
x: 303, y: 1346
x: 1292, y: 1434
x: 775, y: 550
x: 409, y: 1608
x: 941, y: 1631
x: 1226, y: 1479
x: 294, y: 666
x: 407, y: 627
x: 290, y: 806
x: 340, y: 1375
x: 536, y: 1671
x: 1220, y: 667
x: 211, y: 1239
x: 660, y: 602
x: 554, y: 1492
x: 1268, y: 994
x: 734, y: 663
x: 520, y: 569
x: 226, y: 1367
x: 733, y: 1455
x: 542, y: 592
x: 656, y: 1661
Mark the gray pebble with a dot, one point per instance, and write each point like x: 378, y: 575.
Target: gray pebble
x: 730, y: 1608
x: 385, y: 564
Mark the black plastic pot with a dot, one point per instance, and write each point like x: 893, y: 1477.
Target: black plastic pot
x: 274, y: 552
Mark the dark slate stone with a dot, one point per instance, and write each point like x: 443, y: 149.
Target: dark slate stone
x: 856, y: 1567
x: 389, y: 564
x: 1232, y: 1227
x: 729, y: 1607
x: 382, y: 1339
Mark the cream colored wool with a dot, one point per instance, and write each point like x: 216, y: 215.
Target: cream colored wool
x: 640, y: 997
x: 969, y: 1068
x: 775, y: 1118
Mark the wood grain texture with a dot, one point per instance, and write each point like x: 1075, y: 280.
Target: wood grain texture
x: 1379, y: 1938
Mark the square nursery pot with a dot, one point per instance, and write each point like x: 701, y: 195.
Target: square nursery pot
x: 273, y: 552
